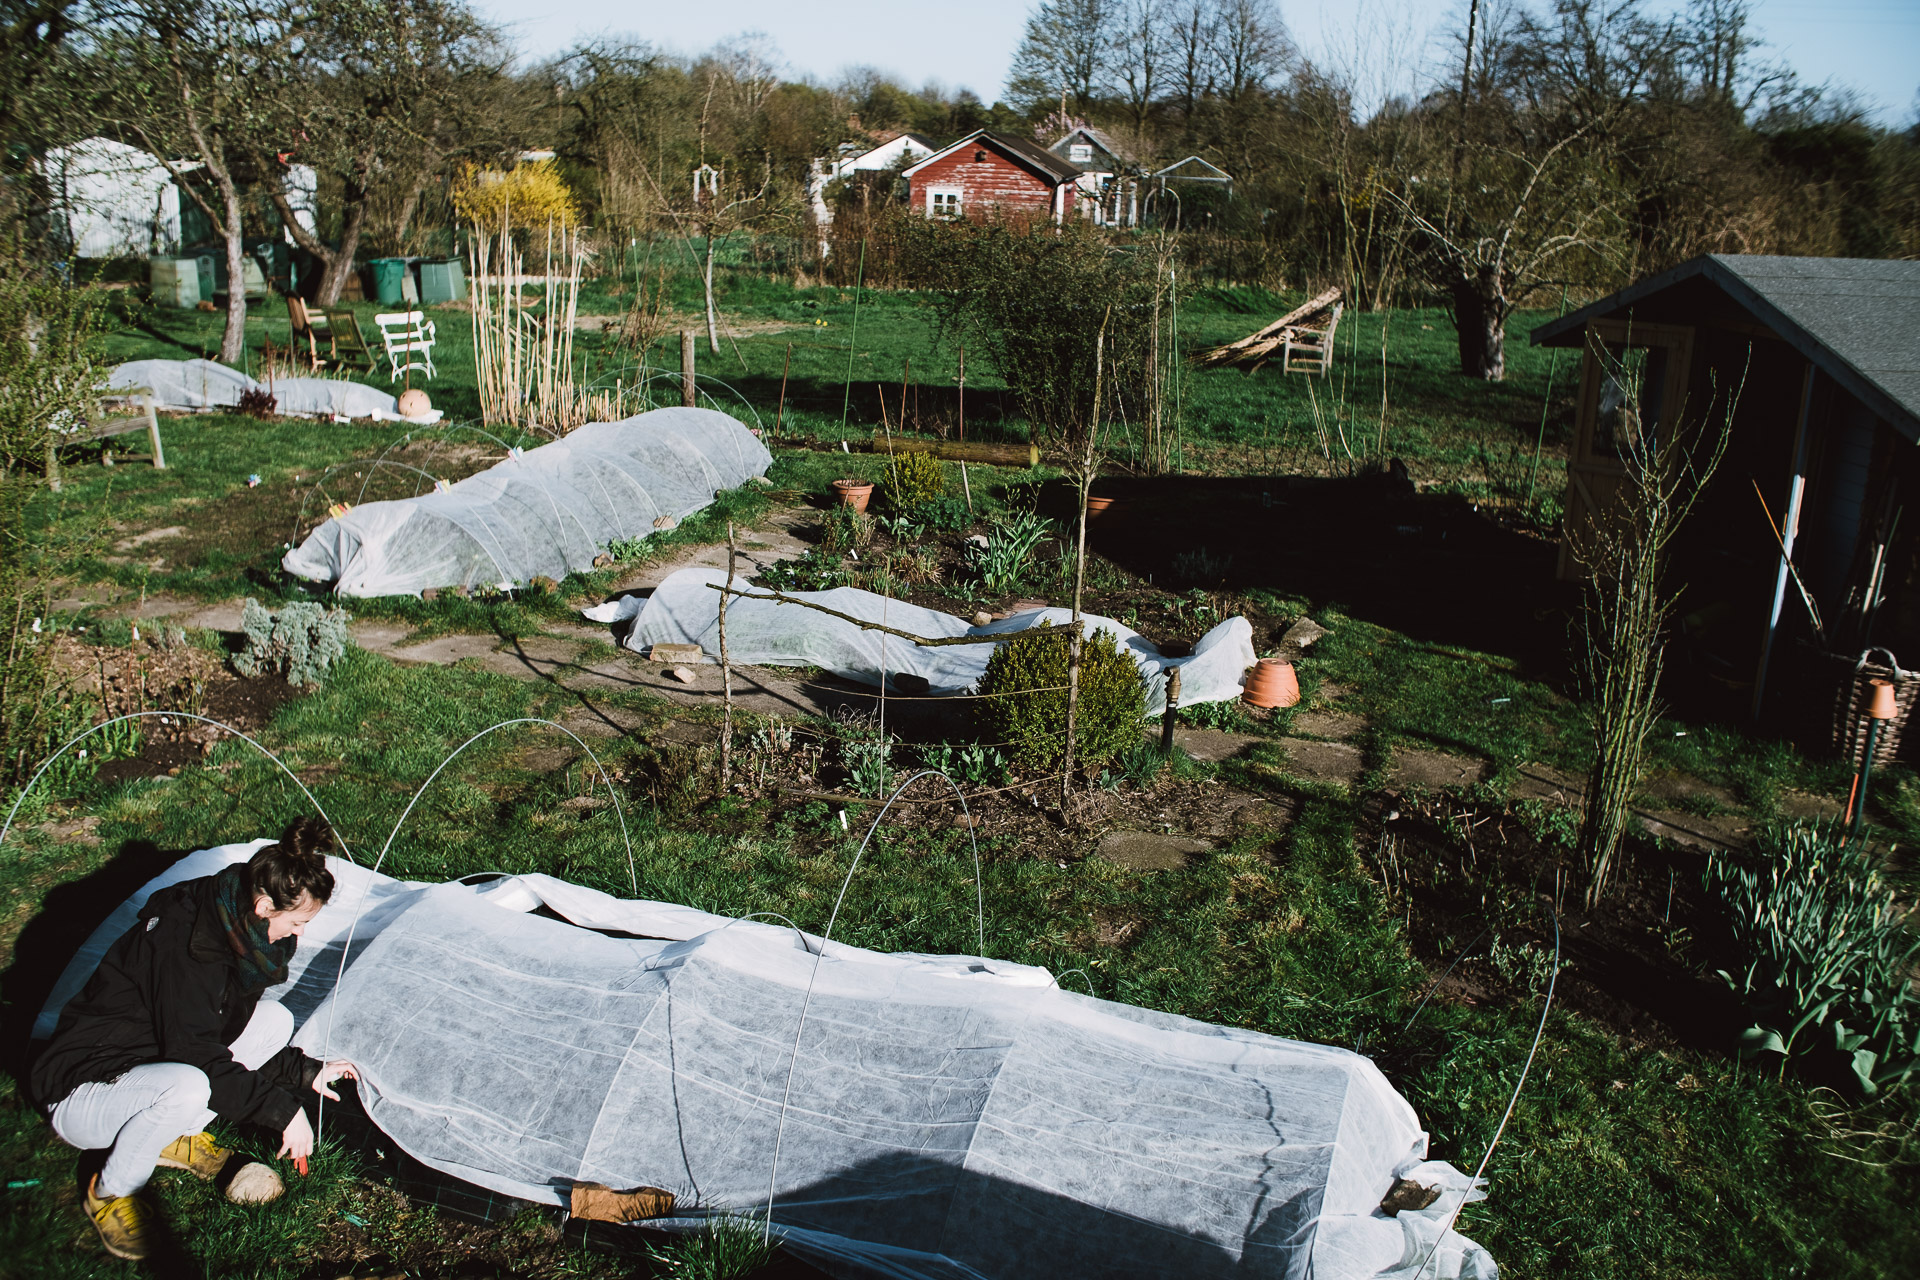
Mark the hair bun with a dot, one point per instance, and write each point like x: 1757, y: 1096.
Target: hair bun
x: 309, y: 837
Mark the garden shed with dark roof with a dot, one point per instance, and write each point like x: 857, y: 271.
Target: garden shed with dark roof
x: 1814, y: 365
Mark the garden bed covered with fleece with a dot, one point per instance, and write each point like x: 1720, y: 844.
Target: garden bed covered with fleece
x: 944, y: 1116
x: 685, y: 609
x: 544, y: 513
x: 191, y: 386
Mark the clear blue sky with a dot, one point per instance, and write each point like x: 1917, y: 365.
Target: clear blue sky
x: 1870, y: 46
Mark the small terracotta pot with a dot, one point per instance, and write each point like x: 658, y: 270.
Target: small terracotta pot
x: 1271, y: 683
x: 1099, y: 506
x: 854, y: 493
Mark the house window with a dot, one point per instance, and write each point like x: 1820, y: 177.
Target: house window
x: 943, y: 202
x: 1080, y: 153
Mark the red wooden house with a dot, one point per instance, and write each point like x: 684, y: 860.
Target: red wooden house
x: 986, y: 171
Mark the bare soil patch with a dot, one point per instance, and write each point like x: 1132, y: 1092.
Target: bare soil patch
x: 154, y: 675
x: 1479, y: 888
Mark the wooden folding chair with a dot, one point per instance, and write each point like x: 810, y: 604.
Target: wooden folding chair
x: 305, y: 334
x: 344, y: 338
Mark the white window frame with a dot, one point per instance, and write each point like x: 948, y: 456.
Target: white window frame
x: 935, y: 207
x: 1080, y: 153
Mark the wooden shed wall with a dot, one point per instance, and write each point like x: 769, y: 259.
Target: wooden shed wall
x: 994, y: 180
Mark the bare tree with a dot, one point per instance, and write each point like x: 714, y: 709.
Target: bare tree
x: 385, y: 94
x: 1251, y: 48
x: 1190, y: 30
x: 1515, y: 233
x: 196, y: 91
x: 1667, y: 463
x: 1136, y: 66
x: 1063, y: 54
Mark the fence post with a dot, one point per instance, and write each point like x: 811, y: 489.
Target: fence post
x: 687, y: 396
x: 1172, y: 712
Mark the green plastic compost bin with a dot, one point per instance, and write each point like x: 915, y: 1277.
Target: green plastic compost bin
x: 389, y: 280
x: 442, y: 280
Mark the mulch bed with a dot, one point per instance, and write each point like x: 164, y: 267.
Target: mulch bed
x: 156, y: 673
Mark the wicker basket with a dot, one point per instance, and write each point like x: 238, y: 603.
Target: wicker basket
x: 1852, y: 693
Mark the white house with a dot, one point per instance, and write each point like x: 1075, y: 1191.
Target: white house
x: 905, y: 148
x: 112, y: 199
x: 1108, y: 186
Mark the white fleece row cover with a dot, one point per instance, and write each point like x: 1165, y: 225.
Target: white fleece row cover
x: 192, y: 385
x: 948, y: 1117
x: 547, y: 512
x: 685, y: 609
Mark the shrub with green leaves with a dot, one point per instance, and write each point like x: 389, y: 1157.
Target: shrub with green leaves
x: 1829, y: 954
x: 301, y: 641
x: 1009, y: 550
x: 914, y: 478
x: 1026, y: 680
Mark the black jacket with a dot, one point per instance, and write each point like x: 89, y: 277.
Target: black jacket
x: 170, y: 991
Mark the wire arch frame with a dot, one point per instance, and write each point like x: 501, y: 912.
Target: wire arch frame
x: 980, y: 921
x: 346, y: 946
x: 181, y: 715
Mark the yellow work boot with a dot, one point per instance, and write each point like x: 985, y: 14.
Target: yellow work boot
x: 198, y: 1154
x: 125, y: 1223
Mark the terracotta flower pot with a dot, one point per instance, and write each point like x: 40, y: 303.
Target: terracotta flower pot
x: 1271, y: 683
x: 1099, y: 505
x: 854, y: 493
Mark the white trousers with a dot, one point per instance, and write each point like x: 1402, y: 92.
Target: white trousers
x: 149, y: 1106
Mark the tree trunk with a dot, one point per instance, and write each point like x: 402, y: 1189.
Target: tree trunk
x: 409, y: 207
x: 340, y: 261
x: 1480, y: 310
x: 233, y: 341
x: 713, y: 330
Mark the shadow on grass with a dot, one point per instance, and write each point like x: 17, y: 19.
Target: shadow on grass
x: 68, y: 914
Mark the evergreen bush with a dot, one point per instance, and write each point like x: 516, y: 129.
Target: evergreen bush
x: 1027, y: 678
x: 915, y: 478
x: 301, y: 641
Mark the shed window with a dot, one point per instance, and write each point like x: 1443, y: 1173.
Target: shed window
x: 944, y: 202
x: 1080, y: 152
x: 1633, y: 383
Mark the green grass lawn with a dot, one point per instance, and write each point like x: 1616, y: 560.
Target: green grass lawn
x: 1619, y: 1161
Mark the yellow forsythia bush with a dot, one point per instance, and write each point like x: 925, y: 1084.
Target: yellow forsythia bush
x: 532, y: 195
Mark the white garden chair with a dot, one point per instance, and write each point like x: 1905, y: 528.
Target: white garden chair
x: 409, y: 339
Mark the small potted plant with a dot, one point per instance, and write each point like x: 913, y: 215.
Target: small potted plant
x: 854, y: 493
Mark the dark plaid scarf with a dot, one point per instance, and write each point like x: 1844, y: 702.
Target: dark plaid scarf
x: 263, y: 964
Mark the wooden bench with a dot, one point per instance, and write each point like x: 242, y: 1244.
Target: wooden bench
x: 100, y: 426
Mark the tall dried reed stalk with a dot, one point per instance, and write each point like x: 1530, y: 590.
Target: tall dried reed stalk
x: 523, y: 351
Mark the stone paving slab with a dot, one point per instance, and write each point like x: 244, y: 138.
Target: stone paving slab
x: 1149, y: 850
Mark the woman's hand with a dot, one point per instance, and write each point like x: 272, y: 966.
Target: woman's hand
x: 296, y: 1140
x: 330, y: 1072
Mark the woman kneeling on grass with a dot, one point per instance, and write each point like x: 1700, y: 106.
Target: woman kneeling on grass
x: 171, y: 1031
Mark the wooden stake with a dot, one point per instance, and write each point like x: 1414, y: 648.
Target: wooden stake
x: 1172, y: 712
x: 782, y: 407
x: 687, y: 389
x: 966, y: 489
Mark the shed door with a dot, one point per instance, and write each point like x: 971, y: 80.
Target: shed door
x: 1633, y: 384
